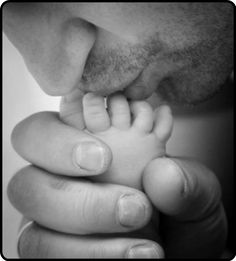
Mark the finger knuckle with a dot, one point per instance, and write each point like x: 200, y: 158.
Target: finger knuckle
x: 90, y: 211
x: 99, y: 251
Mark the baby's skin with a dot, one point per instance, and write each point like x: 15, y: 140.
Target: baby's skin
x: 135, y: 133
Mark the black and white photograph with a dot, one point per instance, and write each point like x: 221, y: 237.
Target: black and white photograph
x: 118, y: 130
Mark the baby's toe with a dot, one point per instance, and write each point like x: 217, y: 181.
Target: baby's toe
x: 95, y: 115
x: 143, y: 115
x: 163, y: 123
x: 119, y: 111
x: 71, y: 109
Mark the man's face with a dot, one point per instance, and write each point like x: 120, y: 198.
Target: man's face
x: 182, y: 51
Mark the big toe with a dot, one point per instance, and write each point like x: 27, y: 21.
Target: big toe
x: 95, y: 115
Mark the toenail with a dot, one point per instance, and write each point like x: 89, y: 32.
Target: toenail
x: 89, y: 155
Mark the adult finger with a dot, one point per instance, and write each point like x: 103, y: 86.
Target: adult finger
x: 189, y: 195
x: 44, y: 140
x: 77, y: 206
x: 39, y: 242
x: 182, y: 188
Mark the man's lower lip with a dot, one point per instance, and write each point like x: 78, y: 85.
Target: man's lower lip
x: 103, y: 92
x: 134, y: 89
x: 136, y: 94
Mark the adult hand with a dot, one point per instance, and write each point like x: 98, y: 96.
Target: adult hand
x: 189, y: 196
x: 185, y: 191
x: 73, y: 215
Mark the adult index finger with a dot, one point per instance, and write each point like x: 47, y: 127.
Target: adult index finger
x: 44, y: 140
x: 77, y: 206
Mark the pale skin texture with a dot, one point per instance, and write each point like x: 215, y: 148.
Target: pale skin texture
x: 135, y: 133
x: 181, y: 51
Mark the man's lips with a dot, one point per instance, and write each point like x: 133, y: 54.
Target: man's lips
x: 133, y: 91
x: 136, y: 87
x: 105, y: 89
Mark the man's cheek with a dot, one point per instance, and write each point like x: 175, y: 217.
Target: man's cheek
x: 193, y: 85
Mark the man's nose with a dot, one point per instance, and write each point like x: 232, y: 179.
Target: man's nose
x: 76, y: 38
x: 54, y: 43
x: 65, y: 57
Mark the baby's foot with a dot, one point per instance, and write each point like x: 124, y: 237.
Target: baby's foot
x: 135, y: 134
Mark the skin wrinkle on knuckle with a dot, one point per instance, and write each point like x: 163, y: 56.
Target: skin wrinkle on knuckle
x: 82, y: 204
x: 68, y: 184
x: 25, y: 191
x: 91, y: 211
x: 98, y: 251
x: 85, y: 215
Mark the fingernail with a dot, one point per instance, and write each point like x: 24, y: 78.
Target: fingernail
x: 89, y: 155
x: 131, y: 211
x: 178, y: 177
x: 144, y: 251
